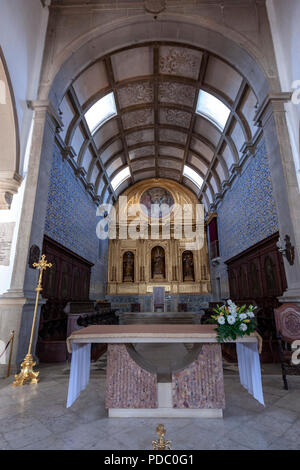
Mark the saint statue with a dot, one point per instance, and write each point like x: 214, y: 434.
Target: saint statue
x: 188, y: 266
x: 158, y: 263
x: 128, y: 267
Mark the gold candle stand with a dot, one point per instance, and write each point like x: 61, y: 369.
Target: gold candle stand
x: 27, y: 372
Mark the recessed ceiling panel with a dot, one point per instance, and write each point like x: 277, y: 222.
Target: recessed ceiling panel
x: 139, y: 165
x: 171, y: 151
x: 133, y: 62
x: 202, y: 148
x: 206, y: 129
x: 141, y: 152
x: 140, y: 117
x: 90, y: 82
x: 144, y: 175
x: 135, y: 93
x: 113, y: 148
x: 177, y: 93
x: 222, y: 77
x: 106, y: 132
x: 180, y: 61
x: 146, y: 135
x: 174, y: 117
x: 169, y: 163
x: 187, y: 182
x: 169, y: 135
x: 169, y: 173
x: 117, y: 163
x: 196, y: 162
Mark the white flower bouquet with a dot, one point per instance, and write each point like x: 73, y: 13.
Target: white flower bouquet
x: 234, y: 321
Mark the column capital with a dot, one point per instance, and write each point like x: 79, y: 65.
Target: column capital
x: 272, y: 102
x: 46, y: 106
x: 10, y: 182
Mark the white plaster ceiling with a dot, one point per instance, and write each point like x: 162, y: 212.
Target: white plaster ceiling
x: 156, y: 130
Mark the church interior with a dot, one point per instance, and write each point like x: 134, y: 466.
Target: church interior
x: 111, y: 108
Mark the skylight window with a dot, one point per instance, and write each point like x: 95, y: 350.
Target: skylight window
x: 120, y: 178
x: 193, y: 176
x: 100, y: 112
x: 213, y: 109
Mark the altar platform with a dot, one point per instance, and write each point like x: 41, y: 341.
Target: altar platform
x: 137, y: 386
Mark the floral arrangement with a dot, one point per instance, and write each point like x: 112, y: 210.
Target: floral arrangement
x: 234, y: 321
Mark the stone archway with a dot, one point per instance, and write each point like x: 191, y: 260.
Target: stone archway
x: 70, y: 50
x: 9, y: 138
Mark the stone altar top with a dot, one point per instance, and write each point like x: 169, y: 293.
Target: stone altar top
x: 148, y: 334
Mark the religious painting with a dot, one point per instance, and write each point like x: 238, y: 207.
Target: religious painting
x: 159, y: 199
x: 188, y: 266
x: 158, y: 267
x: 128, y: 267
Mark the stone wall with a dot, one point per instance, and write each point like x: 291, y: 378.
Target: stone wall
x: 71, y: 221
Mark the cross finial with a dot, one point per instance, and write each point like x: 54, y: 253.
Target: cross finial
x: 42, y: 264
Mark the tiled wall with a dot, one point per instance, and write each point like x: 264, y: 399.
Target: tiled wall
x: 247, y: 213
x: 71, y: 220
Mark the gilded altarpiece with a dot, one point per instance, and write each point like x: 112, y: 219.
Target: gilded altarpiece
x: 135, y: 266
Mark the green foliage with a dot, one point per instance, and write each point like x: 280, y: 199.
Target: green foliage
x: 233, y: 321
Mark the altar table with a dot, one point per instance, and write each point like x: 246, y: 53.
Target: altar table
x: 133, y: 385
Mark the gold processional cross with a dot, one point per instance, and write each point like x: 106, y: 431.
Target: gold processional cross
x: 27, y: 365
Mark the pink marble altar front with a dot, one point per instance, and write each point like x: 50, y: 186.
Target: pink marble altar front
x: 200, y: 385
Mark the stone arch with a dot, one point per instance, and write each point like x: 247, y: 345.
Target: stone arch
x: 9, y: 136
x: 84, y: 50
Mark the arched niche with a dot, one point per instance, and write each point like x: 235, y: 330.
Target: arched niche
x: 188, y: 272
x: 128, y: 267
x: 158, y: 263
x: 9, y: 137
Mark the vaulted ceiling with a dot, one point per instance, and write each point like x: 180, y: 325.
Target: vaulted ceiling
x: 162, y: 120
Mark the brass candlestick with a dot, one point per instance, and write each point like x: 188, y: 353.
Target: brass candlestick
x: 27, y: 372
x: 161, y: 443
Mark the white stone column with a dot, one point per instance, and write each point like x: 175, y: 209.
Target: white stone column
x: 271, y: 117
x: 17, y: 304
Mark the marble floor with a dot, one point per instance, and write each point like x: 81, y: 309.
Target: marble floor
x: 35, y: 417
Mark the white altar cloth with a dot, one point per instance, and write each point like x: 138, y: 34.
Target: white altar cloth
x: 249, y: 369
x: 80, y: 371
x: 248, y: 362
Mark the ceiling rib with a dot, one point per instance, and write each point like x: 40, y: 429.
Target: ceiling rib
x: 156, y: 111
x: 225, y: 130
x: 202, y: 71
x: 111, y: 79
x: 79, y: 112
